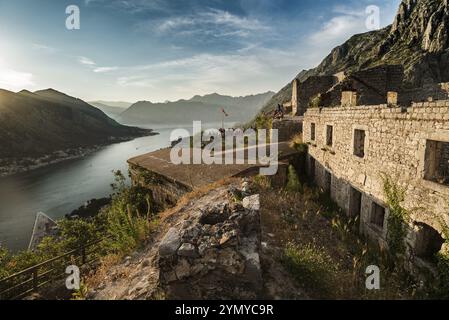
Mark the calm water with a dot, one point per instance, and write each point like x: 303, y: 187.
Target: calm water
x: 58, y: 189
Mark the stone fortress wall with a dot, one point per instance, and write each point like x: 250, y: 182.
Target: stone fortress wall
x: 350, y: 148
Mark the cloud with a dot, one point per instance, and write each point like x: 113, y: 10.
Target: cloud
x: 43, y: 48
x: 105, y: 69
x: 337, y: 29
x: 15, y: 80
x: 213, y: 22
x: 237, y: 74
x: 86, y: 61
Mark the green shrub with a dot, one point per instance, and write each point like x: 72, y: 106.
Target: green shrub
x: 397, y: 217
x: 124, y: 225
x: 263, y: 122
x: 311, y: 266
x: 293, y: 183
x: 316, y: 101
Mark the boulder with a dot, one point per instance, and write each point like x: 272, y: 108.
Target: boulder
x: 252, y: 202
x: 187, y: 250
x: 170, y: 243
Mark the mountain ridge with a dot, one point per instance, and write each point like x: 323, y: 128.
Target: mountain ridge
x: 207, y: 108
x: 33, y: 124
x: 418, y: 39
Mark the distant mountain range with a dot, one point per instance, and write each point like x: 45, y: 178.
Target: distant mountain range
x: 206, y: 108
x: 35, y: 124
x: 418, y: 39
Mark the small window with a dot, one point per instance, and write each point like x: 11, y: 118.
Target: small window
x: 312, y: 131
x: 377, y: 215
x: 329, y: 136
x: 437, y: 162
x: 359, y: 143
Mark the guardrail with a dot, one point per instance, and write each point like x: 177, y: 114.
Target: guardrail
x: 28, y: 281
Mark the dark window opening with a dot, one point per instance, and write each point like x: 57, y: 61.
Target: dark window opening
x: 329, y: 136
x: 355, y: 203
x: 437, y: 162
x: 328, y: 182
x: 428, y: 242
x: 359, y: 143
x: 312, y: 168
x: 377, y: 215
x: 312, y: 131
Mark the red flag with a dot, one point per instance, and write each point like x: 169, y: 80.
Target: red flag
x: 223, y: 110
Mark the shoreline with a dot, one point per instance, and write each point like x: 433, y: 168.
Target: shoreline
x: 10, y: 167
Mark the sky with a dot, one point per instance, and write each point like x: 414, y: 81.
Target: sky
x: 159, y: 50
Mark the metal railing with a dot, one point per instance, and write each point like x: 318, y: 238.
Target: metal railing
x: 30, y: 280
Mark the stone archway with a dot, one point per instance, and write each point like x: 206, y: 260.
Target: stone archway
x: 428, y: 241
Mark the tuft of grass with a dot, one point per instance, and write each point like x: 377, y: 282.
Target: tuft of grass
x: 311, y: 266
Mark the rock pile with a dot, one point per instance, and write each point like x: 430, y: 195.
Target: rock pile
x: 214, y: 252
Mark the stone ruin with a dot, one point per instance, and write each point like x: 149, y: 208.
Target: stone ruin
x: 374, y: 86
x: 214, y: 253
x: 353, y: 146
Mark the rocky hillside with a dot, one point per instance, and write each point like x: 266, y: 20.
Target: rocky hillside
x: 209, y: 247
x: 418, y: 39
x: 205, y: 108
x: 35, y: 124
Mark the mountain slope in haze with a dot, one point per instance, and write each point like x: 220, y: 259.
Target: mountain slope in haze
x: 418, y: 39
x: 35, y: 124
x: 113, y: 104
x: 111, y: 109
x: 205, y: 108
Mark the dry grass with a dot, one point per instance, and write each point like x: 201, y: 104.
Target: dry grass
x: 194, y: 195
x: 97, y: 276
x: 306, y: 220
x: 297, y: 139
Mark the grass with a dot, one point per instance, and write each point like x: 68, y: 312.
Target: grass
x: 311, y: 266
x: 319, y: 248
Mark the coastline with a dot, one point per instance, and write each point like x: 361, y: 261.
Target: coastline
x: 10, y: 167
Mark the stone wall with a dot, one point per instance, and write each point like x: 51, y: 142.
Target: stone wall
x: 304, y: 91
x: 165, y: 192
x: 395, y: 144
x: 287, y: 128
x: 372, y: 86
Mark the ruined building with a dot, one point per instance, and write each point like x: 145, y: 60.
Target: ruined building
x: 374, y: 133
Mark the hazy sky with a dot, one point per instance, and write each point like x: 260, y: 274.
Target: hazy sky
x: 170, y: 49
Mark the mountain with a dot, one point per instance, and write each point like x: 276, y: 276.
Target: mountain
x: 418, y: 39
x: 205, y: 108
x: 113, y: 104
x: 35, y: 124
x: 111, y: 109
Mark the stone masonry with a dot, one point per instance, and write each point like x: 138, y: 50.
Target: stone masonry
x: 351, y: 147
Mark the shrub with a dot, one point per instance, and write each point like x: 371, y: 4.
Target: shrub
x: 293, y: 183
x: 125, y: 223
x: 315, y: 102
x: 397, y: 218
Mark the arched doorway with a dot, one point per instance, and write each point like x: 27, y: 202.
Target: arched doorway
x: 428, y: 241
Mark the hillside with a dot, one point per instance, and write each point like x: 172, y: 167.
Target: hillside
x: 111, y: 109
x: 418, y: 39
x: 205, y: 108
x: 35, y: 124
